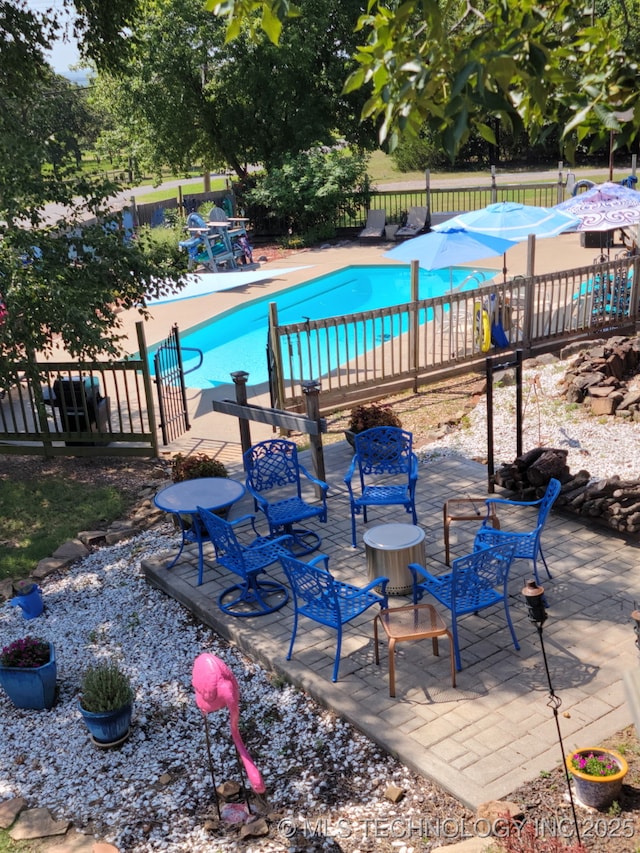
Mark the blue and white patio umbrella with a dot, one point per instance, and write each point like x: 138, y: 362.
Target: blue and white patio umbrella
x: 603, y: 207
x: 514, y: 221
x: 448, y: 247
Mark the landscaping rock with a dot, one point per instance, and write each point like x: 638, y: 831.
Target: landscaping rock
x: 37, y: 823
x: 9, y: 811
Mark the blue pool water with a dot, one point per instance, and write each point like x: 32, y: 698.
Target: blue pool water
x: 236, y: 340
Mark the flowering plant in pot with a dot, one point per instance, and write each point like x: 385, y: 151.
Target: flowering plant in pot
x: 597, y: 774
x: 194, y: 466
x: 106, y: 703
x: 366, y: 417
x: 28, y: 672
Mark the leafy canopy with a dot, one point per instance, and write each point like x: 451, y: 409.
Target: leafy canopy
x: 452, y: 65
x: 65, y: 268
x: 187, y: 95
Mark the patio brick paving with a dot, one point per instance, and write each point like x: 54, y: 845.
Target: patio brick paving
x: 494, y: 731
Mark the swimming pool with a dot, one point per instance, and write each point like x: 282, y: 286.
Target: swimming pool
x: 236, y: 339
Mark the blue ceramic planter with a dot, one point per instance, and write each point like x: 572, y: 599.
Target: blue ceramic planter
x: 30, y: 601
x: 109, y: 726
x: 31, y: 688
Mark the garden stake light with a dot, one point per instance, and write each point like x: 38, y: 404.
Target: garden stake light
x: 534, y: 597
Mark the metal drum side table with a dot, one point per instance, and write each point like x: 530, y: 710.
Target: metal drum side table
x: 390, y: 548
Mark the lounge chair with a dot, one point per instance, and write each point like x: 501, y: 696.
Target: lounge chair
x: 417, y: 221
x: 373, y: 231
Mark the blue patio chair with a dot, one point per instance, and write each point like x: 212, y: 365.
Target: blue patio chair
x: 252, y: 596
x: 274, y: 480
x: 476, y: 581
x: 320, y: 597
x: 527, y: 542
x: 387, y: 470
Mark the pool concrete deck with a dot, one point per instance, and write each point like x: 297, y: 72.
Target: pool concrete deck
x: 218, y: 435
x: 495, y: 730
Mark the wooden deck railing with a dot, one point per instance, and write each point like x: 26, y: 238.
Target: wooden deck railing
x: 370, y: 354
x: 81, y: 409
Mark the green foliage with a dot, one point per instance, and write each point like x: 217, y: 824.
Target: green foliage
x: 373, y: 415
x: 615, y: 809
x: 105, y: 687
x: 37, y: 515
x: 162, y: 244
x: 188, y: 93
x: 309, y: 189
x: 64, y: 282
x: 196, y: 465
x: 525, y: 64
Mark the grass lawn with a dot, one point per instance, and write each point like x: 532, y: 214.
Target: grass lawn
x: 38, y: 515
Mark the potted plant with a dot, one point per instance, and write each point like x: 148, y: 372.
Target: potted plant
x: 196, y: 465
x: 365, y: 417
x: 192, y: 467
x: 597, y: 774
x: 106, y: 703
x: 28, y: 672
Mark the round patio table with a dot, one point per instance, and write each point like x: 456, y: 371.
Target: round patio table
x: 184, y: 498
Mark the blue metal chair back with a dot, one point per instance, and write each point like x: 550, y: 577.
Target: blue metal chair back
x: 385, y: 453
x: 383, y: 450
x: 527, y: 543
x: 252, y: 596
x: 272, y: 464
x: 228, y: 550
x: 320, y: 597
x: 548, y: 500
x: 475, y: 582
x: 274, y: 479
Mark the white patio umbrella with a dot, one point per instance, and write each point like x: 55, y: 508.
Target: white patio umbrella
x: 514, y: 221
x: 604, y: 207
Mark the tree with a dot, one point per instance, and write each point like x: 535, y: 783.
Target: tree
x: 307, y: 190
x: 64, y: 278
x: 533, y: 64
x: 186, y: 96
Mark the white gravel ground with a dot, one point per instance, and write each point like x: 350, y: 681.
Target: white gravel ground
x: 312, y: 762
x: 315, y: 766
x: 604, y: 446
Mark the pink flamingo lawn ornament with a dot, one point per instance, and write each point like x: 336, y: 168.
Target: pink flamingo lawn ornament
x: 216, y: 687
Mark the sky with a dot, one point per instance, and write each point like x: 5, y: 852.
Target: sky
x: 64, y: 54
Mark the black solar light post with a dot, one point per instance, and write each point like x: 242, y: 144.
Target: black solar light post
x: 534, y: 597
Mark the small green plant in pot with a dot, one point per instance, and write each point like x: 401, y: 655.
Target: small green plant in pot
x: 366, y: 417
x: 106, y: 703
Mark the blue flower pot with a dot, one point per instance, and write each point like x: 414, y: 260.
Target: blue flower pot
x: 109, y: 726
x: 30, y: 601
x: 31, y: 687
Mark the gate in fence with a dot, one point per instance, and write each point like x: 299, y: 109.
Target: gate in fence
x: 170, y: 385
